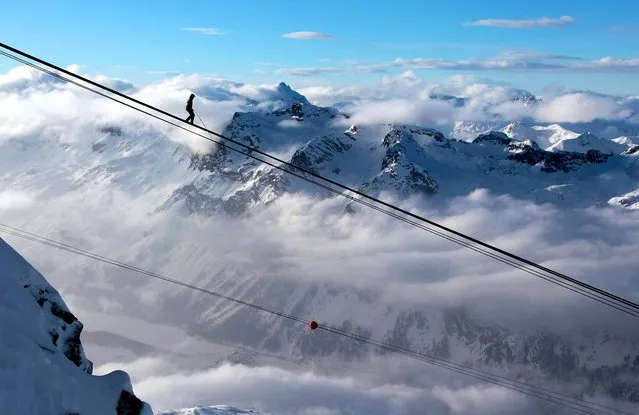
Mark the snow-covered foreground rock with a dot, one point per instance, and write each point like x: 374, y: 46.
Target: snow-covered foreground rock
x: 43, y: 369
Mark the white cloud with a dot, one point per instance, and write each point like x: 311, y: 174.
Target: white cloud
x: 508, y: 62
x: 340, y: 390
x: 609, y: 63
x: 14, y: 200
x: 164, y: 72
x: 271, y: 389
x: 481, y: 399
x: 327, y: 95
x: 408, y: 78
x: 289, y: 124
x: 211, y: 31
x: 523, y: 24
x: 580, y: 107
x: 305, y: 393
x: 121, y: 85
x: 307, y: 35
x: 431, y: 113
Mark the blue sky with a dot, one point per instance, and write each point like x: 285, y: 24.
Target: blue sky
x: 143, y: 41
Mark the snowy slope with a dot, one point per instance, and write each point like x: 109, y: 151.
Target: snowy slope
x: 43, y: 368
x: 629, y: 200
x: 627, y: 141
x: 584, y: 142
x: 544, y: 136
x: 468, y: 130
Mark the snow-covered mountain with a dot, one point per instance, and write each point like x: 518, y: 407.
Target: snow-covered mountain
x: 544, y: 136
x: 402, y: 159
x: 43, y: 368
x: 584, y: 142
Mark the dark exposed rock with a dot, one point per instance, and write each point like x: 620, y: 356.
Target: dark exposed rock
x: 419, y: 180
x: 65, y: 315
x: 632, y: 150
x: 516, y: 146
x: 66, y: 334
x: 54, y: 337
x: 456, y: 101
x: 493, y: 137
x: 302, y: 159
x: 401, y: 164
x: 559, y: 161
x: 98, y: 147
x: 73, y: 347
x: 319, y: 151
x: 129, y: 404
x: 297, y: 110
x: 112, y: 130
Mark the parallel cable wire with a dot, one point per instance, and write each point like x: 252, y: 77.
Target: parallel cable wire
x: 517, y: 386
x: 559, y: 279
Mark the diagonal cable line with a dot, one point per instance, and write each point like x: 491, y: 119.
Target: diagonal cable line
x: 600, y: 296
x: 517, y: 386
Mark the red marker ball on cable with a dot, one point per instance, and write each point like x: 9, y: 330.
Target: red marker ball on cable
x: 313, y: 325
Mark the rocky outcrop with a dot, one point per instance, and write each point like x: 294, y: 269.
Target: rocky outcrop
x: 319, y: 151
x: 493, y: 137
x: 129, y: 404
x: 64, y: 328
x: 557, y: 161
x: 402, y: 166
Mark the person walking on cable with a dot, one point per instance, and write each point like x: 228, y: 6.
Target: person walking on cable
x: 189, y: 109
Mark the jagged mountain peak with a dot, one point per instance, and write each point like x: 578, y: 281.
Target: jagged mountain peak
x: 290, y: 96
x: 525, y: 97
